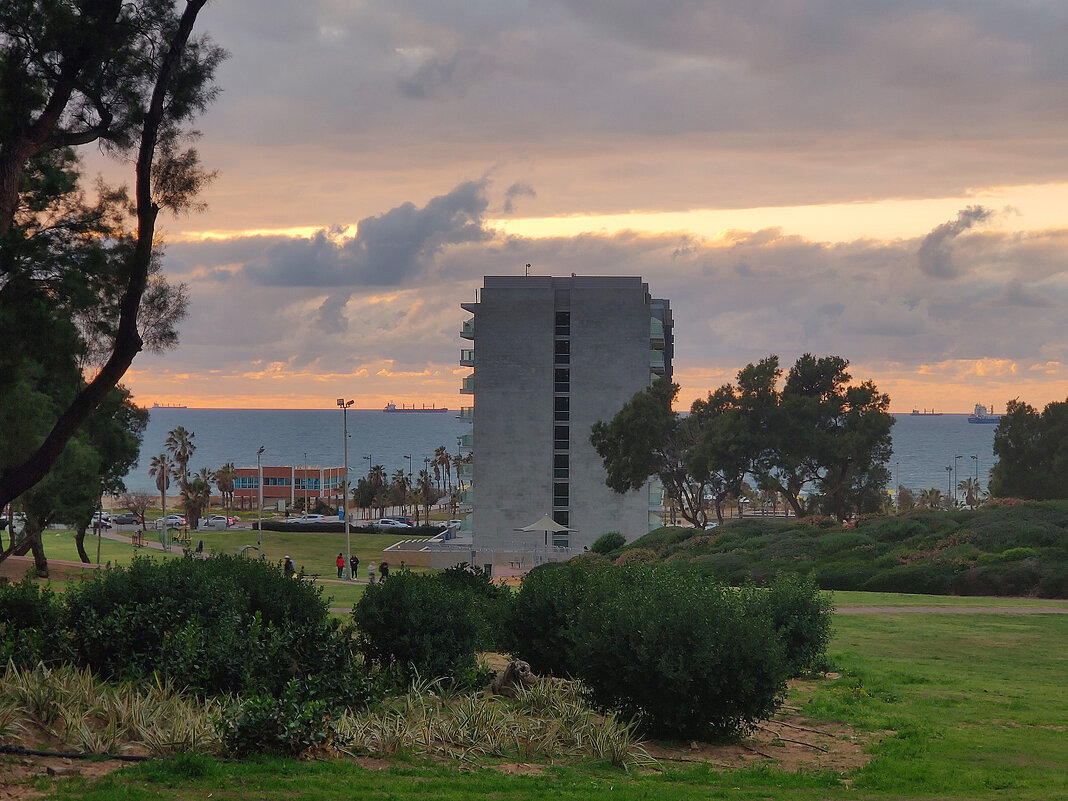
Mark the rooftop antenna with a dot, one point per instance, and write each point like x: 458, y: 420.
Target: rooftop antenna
x: 526, y: 272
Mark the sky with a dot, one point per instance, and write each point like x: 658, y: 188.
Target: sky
x: 884, y: 181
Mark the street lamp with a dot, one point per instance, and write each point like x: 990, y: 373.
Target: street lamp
x: 409, y: 458
x: 344, y: 404
x: 956, y: 458
x: 259, y: 512
x: 949, y: 478
x: 367, y: 459
x: 975, y: 458
x: 305, y: 482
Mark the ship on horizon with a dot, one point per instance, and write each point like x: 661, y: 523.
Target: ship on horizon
x: 392, y: 407
x: 169, y: 406
x: 981, y: 415
x: 925, y: 413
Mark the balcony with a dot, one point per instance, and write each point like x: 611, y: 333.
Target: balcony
x: 467, y: 497
x: 467, y: 357
x: 465, y: 470
x: 467, y: 413
x: 656, y: 332
x: 468, y: 329
x: 468, y: 386
x: 656, y: 361
x: 467, y: 442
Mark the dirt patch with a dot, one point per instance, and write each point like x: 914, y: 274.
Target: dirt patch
x: 789, y: 742
x: 519, y: 769
x: 19, y: 775
x: 373, y: 763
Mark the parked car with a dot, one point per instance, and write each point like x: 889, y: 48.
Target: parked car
x: 214, y: 521
x: 171, y: 521
x: 127, y: 519
x: 101, y: 520
x: 310, y: 518
x: 389, y: 524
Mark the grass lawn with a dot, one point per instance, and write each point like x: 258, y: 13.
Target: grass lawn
x: 844, y: 598
x: 966, y: 706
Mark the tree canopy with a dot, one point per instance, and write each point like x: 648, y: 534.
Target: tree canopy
x: 1032, y: 452
x: 818, y: 433
x: 81, y: 292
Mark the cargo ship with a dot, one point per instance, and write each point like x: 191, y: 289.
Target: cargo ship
x: 980, y: 415
x: 169, y: 406
x: 392, y: 407
x: 925, y: 413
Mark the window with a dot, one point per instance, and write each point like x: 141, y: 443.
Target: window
x: 560, y: 517
x: 561, y: 438
x: 561, y: 465
x: 562, y: 409
x: 560, y: 493
x: 562, y: 351
x: 561, y: 380
x: 563, y: 323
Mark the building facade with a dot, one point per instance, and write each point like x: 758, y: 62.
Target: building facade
x: 551, y: 357
x: 288, y: 484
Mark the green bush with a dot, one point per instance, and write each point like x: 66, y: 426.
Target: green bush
x: 802, y: 616
x: 684, y: 656
x: 491, y: 601
x: 31, y: 625
x: 416, y: 624
x: 219, y: 625
x: 290, y: 724
x: 537, y: 628
x: 607, y: 543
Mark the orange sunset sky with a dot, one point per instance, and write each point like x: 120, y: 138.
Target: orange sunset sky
x: 883, y: 181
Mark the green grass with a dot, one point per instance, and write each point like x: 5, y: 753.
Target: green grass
x: 844, y: 598
x: 966, y: 706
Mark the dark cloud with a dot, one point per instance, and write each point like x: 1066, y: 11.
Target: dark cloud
x: 935, y: 255
x: 516, y: 190
x: 391, y: 249
x: 444, y: 76
x: 331, y: 318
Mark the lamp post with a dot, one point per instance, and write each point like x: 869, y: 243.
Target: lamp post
x: 956, y: 459
x: 344, y: 404
x: 975, y: 458
x: 305, y: 482
x: 259, y: 509
x: 949, y: 478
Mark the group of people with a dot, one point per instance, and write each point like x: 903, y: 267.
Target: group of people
x: 354, y: 566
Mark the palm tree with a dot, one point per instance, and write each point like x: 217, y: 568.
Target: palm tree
x: 427, y: 493
x: 443, y: 463
x: 972, y: 493
x: 930, y: 498
x: 398, y: 489
x: 196, y: 495
x: 180, y: 446
x: 225, y: 478
x: 161, y: 468
x: 376, y: 477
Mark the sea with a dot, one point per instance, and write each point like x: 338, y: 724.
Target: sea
x: 924, y: 445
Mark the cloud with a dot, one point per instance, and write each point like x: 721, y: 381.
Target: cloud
x: 516, y: 190
x: 392, y: 249
x: 450, y: 76
x: 935, y: 253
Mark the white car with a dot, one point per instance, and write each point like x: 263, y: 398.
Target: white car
x: 214, y: 521
x: 171, y: 521
x: 388, y: 524
x: 309, y: 518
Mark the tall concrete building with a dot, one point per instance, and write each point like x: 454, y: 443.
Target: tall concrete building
x: 551, y: 357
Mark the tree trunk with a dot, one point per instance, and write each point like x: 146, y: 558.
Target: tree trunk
x: 39, y: 560
x: 79, y: 540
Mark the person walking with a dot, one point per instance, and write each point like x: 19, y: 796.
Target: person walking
x: 340, y: 565
x: 288, y: 567
x: 383, y: 570
x: 371, y: 572
x: 354, y: 566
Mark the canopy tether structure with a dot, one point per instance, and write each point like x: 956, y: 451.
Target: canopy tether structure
x: 545, y: 523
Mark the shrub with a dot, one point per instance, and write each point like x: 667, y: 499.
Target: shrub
x: 802, y: 616
x: 537, y: 628
x: 609, y: 542
x: 490, y: 600
x: 416, y: 624
x: 289, y: 724
x: 31, y: 625
x: 219, y: 625
x: 686, y: 657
